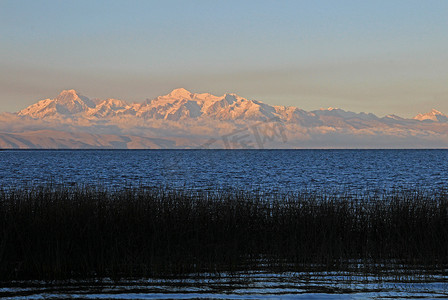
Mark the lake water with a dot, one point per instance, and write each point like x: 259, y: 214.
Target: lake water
x: 356, y: 171
x: 268, y: 170
x: 252, y: 285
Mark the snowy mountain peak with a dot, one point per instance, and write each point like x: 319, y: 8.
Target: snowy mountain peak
x: 180, y: 93
x: 68, y: 94
x: 436, y: 112
x: 68, y: 102
x: 69, y: 97
x: 433, y: 115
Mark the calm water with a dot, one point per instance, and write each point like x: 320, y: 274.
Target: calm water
x: 252, y: 285
x: 357, y: 171
x: 284, y: 170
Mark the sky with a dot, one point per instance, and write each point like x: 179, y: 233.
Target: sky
x: 372, y: 56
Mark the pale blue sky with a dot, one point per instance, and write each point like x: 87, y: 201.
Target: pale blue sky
x: 374, y: 56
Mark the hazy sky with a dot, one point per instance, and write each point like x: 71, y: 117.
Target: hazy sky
x: 374, y: 56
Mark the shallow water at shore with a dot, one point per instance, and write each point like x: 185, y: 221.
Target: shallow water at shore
x: 249, y: 285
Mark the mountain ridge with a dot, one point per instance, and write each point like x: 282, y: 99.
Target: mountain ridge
x: 188, y: 120
x: 183, y: 103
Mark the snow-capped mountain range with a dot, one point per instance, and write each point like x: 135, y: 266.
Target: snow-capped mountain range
x: 433, y: 115
x: 182, y: 119
x: 178, y: 105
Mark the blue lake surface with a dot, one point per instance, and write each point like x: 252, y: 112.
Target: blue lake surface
x: 356, y: 171
x: 268, y: 170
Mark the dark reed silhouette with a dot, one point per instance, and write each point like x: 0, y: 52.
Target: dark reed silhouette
x: 83, y: 232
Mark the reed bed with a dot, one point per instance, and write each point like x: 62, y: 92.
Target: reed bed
x: 84, y: 232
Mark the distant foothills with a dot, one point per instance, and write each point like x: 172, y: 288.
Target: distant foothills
x: 185, y: 120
